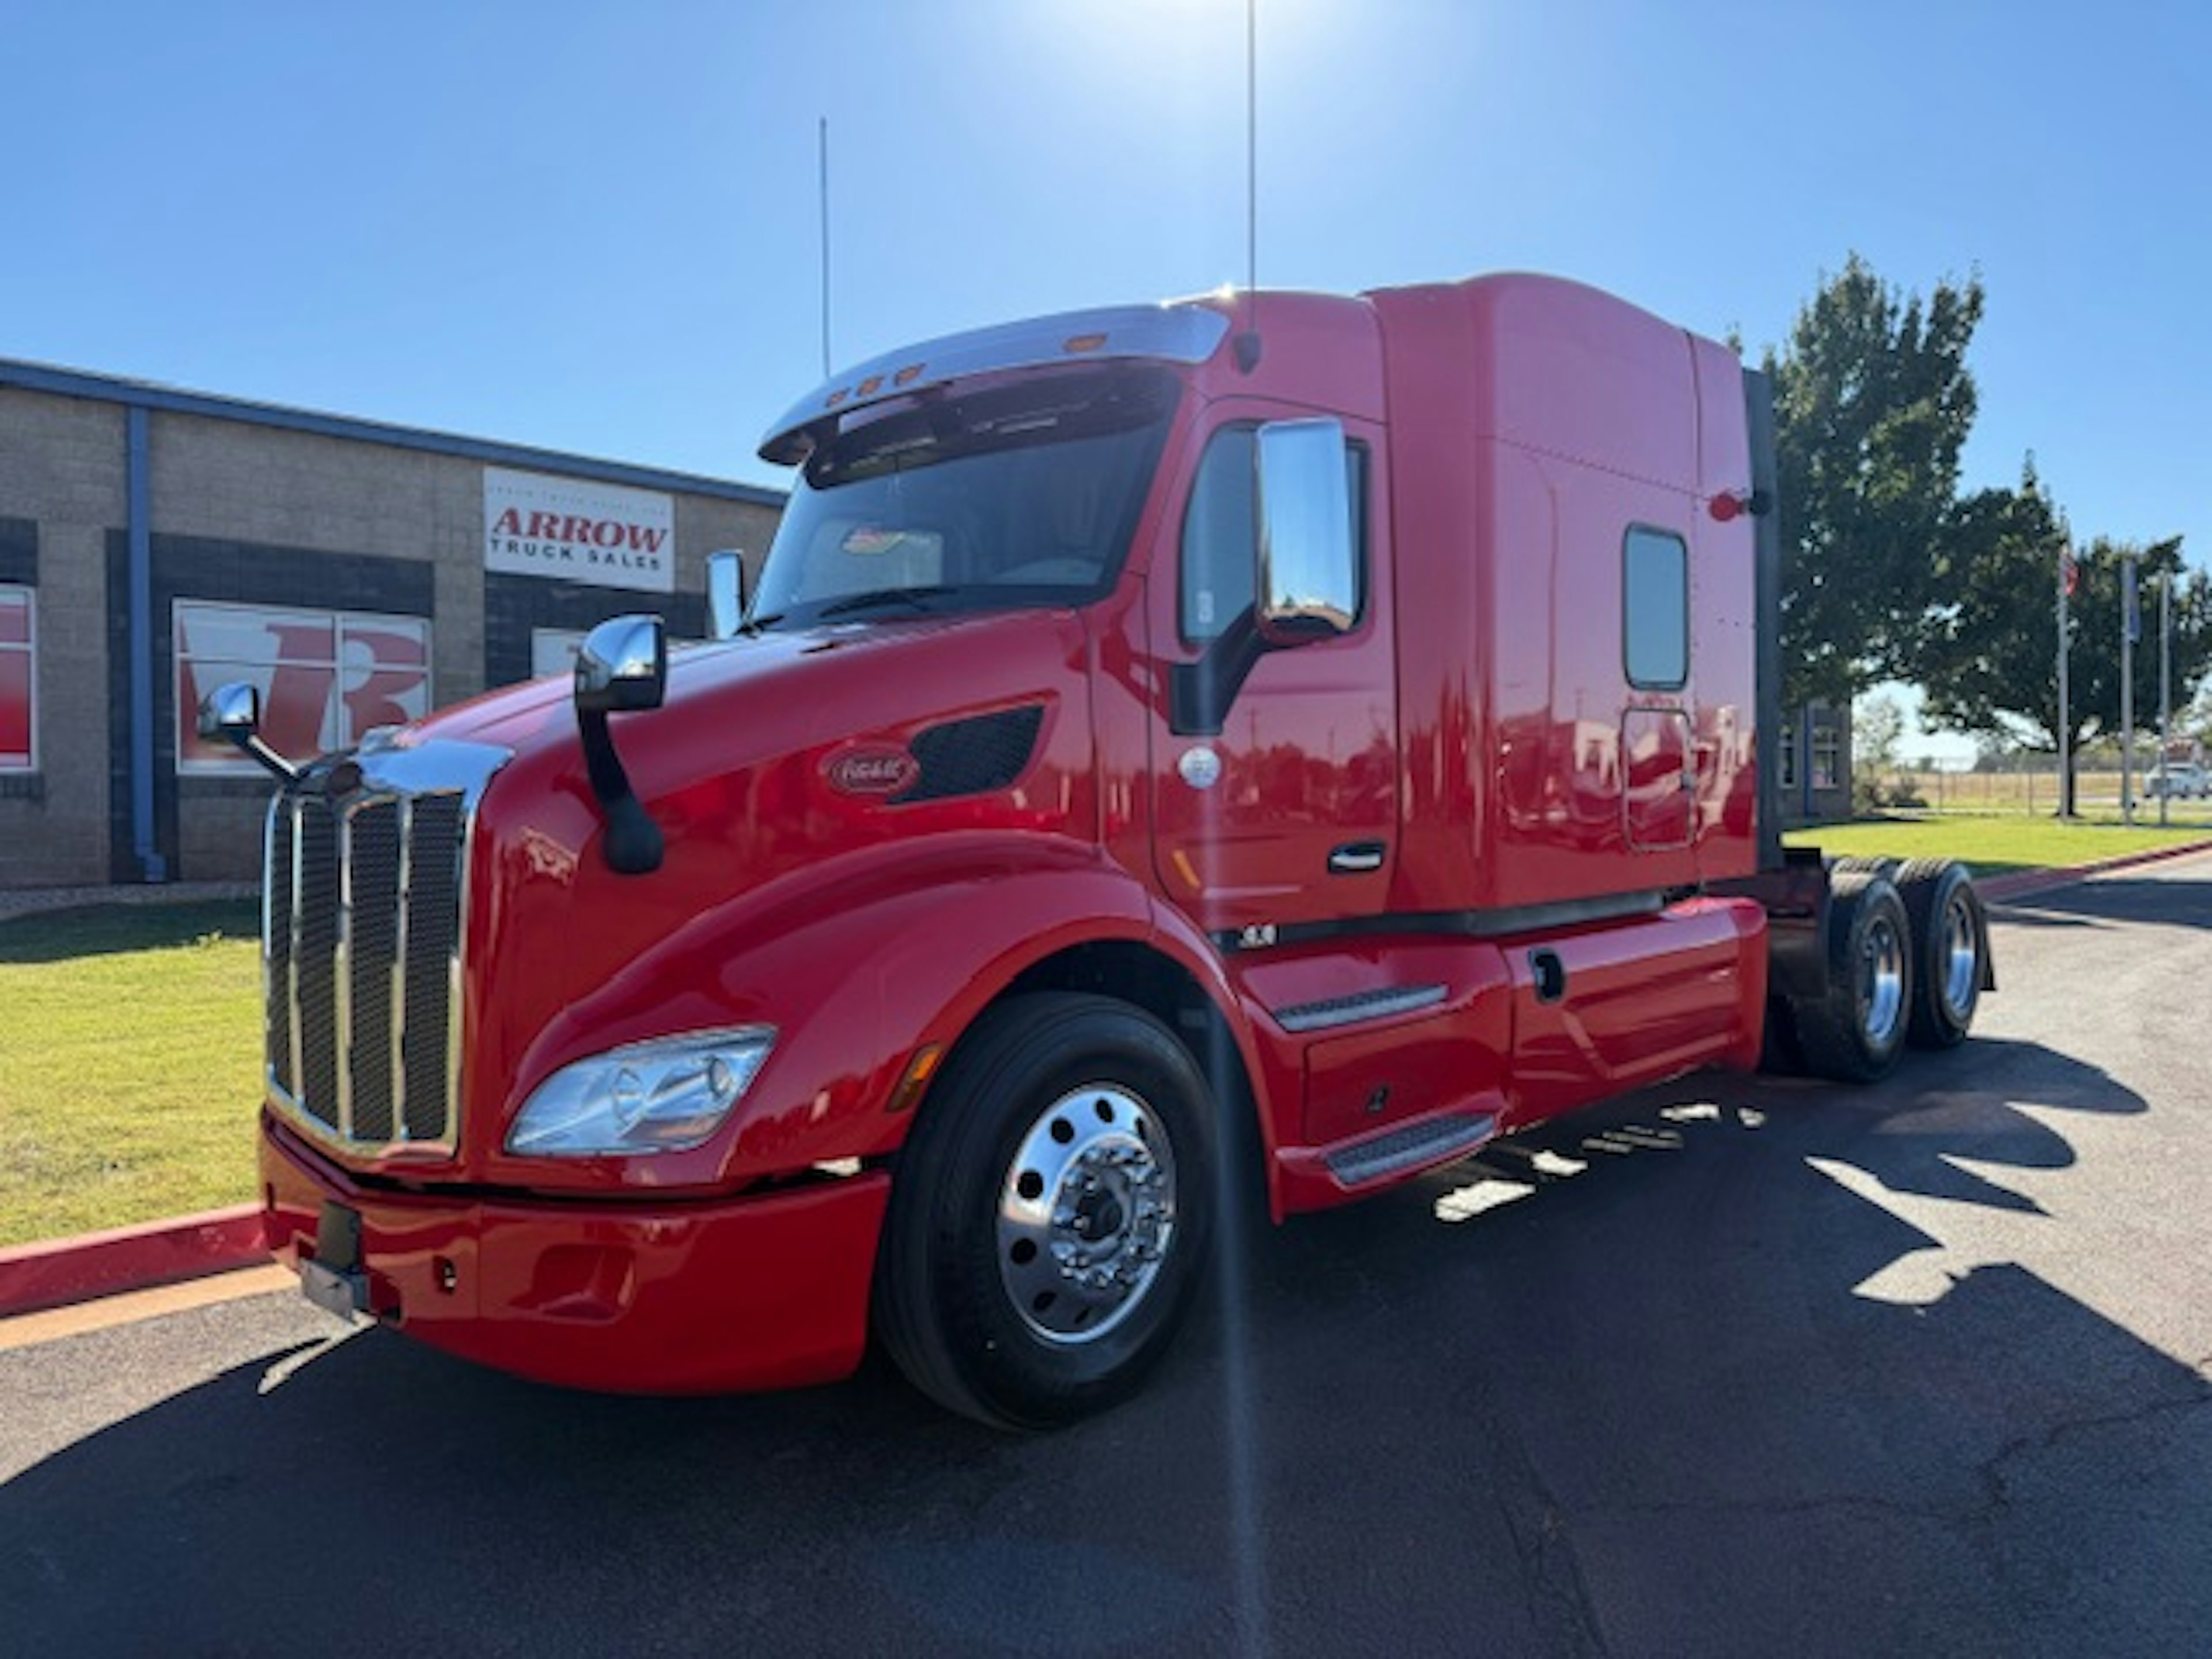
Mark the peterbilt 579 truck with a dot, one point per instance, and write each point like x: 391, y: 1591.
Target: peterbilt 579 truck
x: 1280, y: 737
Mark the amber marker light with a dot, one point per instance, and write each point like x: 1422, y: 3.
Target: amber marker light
x: 1085, y: 342
x: 919, y: 1071
x: 907, y: 375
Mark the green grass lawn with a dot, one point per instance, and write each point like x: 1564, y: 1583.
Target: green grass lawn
x: 129, y: 1064
x: 1992, y: 846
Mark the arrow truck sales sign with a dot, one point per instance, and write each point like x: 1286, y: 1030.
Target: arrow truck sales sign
x: 602, y: 534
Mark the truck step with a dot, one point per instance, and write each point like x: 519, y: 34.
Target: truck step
x: 1417, y: 1146
x: 1367, y: 1004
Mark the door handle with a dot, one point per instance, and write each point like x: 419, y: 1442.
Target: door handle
x: 1357, y: 858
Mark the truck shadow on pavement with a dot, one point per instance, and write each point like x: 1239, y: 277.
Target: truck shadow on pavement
x: 2112, y: 902
x: 1623, y: 1388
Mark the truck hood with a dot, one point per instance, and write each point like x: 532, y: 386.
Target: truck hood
x: 779, y: 766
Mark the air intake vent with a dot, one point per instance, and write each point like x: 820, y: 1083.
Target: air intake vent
x: 974, y: 756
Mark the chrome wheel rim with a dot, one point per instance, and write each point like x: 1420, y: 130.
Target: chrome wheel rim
x: 1962, y: 960
x: 1087, y: 1214
x: 1881, y: 982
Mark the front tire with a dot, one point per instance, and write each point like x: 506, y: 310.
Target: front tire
x: 1049, y: 1212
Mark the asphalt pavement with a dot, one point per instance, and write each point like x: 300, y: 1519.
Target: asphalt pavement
x: 1738, y: 1366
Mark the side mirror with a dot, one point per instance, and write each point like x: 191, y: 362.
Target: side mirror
x: 232, y: 712
x: 1308, y: 581
x: 622, y: 665
x: 727, y: 595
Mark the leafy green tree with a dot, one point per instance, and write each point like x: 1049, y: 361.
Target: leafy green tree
x: 1877, y: 744
x: 1988, y: 654
x: 1873, y: 401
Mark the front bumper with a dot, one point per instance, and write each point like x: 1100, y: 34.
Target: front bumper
x: 762, y: 1291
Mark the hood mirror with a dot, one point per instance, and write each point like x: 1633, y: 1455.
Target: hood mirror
x: 231, y: 713
x: 621, y: 665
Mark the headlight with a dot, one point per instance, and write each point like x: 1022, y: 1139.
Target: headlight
x: 659, y: 1096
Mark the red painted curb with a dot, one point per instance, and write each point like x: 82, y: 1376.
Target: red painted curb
x: 60, y: 1271
x: 2000, y: 888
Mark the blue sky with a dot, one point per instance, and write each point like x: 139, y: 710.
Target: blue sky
x: 595, y: 227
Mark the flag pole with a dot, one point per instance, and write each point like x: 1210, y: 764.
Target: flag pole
x: 2165, y: 691
x: 2130, y: 619
x: 2065, y: 722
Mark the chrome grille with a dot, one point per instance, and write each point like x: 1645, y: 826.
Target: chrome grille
x: 373, y: 960
x: 362, y: 945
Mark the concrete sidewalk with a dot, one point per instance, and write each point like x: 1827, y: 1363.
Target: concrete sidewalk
x: 33, y: 901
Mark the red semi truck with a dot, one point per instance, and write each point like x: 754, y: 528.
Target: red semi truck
x: 1304, y: 735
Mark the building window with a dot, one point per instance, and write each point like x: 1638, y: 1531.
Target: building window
x: 19, y: 726
x: 1655, y: 609
x: 1785, y: 759
x: 326, y: 678
x: 1827, y: 766
x: 553, y: 651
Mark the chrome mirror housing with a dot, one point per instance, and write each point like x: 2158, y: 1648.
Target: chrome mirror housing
x: 1308, y: 583
x: 622, y: 665
x: 232, y: 712
x: 727, y: 600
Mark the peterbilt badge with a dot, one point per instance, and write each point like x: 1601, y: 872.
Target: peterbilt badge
x: 877, y: 770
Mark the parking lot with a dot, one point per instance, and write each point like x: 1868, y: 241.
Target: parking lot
x: 1738, y: 1366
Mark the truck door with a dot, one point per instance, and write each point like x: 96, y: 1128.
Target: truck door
x: 1289, y: 815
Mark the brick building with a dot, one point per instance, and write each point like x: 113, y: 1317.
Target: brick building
x: 1813, y: 765
x: 154, y: 543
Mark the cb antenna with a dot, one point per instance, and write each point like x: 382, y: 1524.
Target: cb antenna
x: 822, y: 155
x: 1247, y: 342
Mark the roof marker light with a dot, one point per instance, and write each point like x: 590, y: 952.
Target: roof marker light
x: 1084, y: 343
x: 906, y: 376
x: 869, y: 386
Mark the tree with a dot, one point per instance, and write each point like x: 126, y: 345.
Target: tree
x: 1873, y: 401
x: 1988, y: 653
x: 1877, y: 743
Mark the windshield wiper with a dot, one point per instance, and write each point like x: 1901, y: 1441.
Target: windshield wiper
x: 876, y: 598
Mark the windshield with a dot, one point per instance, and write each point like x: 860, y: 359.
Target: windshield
x: 1024, y: 493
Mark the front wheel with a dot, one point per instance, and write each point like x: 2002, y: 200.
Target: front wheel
x: 1049, y: 1212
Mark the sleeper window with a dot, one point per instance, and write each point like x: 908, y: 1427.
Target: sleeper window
x: 1655, y: 609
